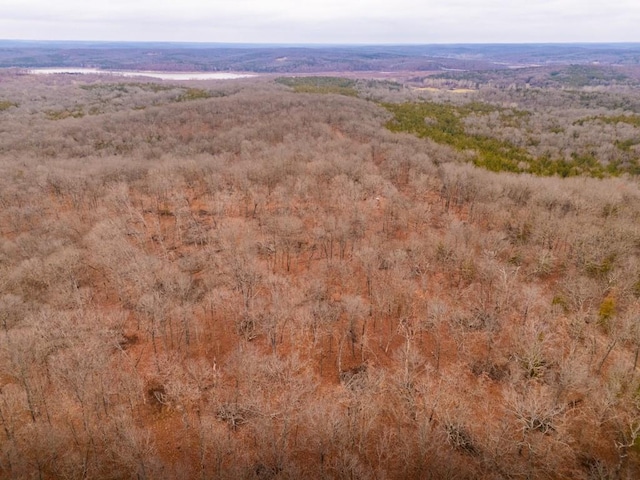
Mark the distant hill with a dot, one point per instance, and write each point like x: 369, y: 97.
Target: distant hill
x: 269, y: 58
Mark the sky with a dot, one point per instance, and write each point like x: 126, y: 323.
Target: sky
x: 323, y: 21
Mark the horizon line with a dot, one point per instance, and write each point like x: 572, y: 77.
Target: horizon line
x: 314, y: 44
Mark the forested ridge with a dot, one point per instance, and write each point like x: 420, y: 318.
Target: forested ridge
x: 287, y: 278
x: 310, y: 58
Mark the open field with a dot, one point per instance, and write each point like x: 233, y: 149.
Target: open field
x: 320, y: 277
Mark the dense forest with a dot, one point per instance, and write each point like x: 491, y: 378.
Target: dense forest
x: 320, y: 277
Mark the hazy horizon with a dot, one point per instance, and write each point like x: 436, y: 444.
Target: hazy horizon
x: 331, y: 22
x: 299, y: 44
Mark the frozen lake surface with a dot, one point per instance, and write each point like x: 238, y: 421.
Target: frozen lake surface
x: 131, y: 73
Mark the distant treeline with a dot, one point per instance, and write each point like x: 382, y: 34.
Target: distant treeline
x: 305, y: 58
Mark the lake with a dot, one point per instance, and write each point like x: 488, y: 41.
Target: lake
x: 131, y: 73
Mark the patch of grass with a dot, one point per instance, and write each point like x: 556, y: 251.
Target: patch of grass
x: 6, y: 105
x: 600, y: 269
x: 606, y: 312
x: 633, y: 120
x: 636, y: 288
x: 560, y: 301
x: 76, y: 112
x: 514, y: 118
x: 193, y: 94
x: 626, y: 145
x: 324, y: 85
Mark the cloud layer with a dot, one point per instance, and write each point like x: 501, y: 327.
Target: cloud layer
x: 327, y: 21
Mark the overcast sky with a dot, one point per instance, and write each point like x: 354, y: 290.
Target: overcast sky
x: 326, y: 21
